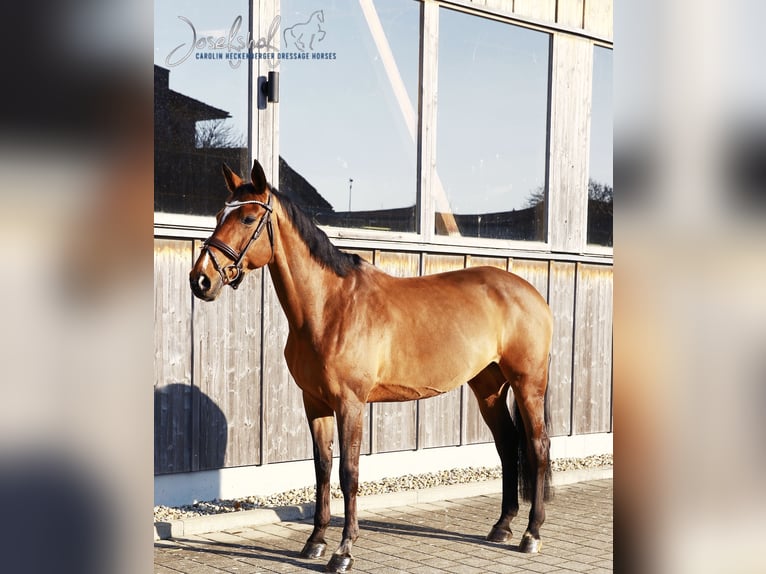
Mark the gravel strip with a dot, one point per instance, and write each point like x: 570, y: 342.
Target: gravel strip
x: 385, y: 485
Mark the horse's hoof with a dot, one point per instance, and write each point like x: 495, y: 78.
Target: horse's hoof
x: 529, y: 544
x: 499, y: 534
x: 313, y: 550
x: 339, y: 563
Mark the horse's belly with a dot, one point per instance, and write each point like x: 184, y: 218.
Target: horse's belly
x: 395, y: 393
x: 418, y: 372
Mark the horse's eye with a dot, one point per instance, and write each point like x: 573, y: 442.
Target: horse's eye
x: 248, y: 219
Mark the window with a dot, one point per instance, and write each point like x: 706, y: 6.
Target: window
x: 200, y: 104
x: 348, y: 111
x: 600, y: 177
x: 492, y: 129
x: 347, y: 120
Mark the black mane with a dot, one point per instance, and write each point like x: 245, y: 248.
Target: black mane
x: 320, y: 248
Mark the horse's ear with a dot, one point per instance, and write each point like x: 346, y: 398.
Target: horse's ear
x: 258, y: 178
x: 233, y: 181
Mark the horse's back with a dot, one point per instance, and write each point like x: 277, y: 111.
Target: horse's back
x: 445, y: 328
x: 498, y: 290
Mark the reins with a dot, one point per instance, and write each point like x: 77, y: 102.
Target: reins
x: 231, y: 253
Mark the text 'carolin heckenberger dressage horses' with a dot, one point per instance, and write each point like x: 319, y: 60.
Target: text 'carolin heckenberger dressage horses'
x: 358, y: 335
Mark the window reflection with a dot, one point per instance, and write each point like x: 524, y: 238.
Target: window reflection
x: 200, y: 106
x: 348, y: 121
x: 491, y: 129
x: 601, y: 182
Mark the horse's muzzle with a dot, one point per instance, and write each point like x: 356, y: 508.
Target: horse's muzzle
x: 202, y: 286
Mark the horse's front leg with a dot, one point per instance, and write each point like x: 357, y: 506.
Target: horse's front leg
x: 350, y: 420
x: 321, y: 424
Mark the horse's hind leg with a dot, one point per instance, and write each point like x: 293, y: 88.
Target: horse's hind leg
x: 529, y: 395
x: 491, y: 391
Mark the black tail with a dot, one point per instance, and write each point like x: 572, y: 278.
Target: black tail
x: 526, y: 470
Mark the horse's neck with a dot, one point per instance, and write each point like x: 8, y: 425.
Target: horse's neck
x: 302, y: 284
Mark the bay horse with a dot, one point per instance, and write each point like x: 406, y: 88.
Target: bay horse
x: 358, y: 335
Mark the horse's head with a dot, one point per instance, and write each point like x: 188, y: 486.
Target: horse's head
x: 243, y: 237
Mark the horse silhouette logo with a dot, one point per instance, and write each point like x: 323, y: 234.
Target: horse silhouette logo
x: 307, y: 32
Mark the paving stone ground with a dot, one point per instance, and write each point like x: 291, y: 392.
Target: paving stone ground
x: 436, y: 537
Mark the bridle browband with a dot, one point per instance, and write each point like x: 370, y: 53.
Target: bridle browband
x: 232, y: 254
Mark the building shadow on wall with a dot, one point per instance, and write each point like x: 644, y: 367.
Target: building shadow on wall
x: 190, y: 433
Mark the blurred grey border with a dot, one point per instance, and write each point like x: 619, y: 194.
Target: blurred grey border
x: 690, y: 286
x: 76, y: 181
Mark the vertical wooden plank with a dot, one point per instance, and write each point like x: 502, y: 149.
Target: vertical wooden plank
x: 572, y: 73
x: 475, y: 261
x: 570, y: 13
x: 172, y: 357
x: 433, y: 263
x: 398, y: 264
x: 474, y: 430
x: 593, y: 350
x: 286, y: 433
x: 440, y: 419
x: 562, y: 301
x: 599, y: 18
x: 394, y: 425
x: 536, y: 272
x: 544, y: 10
x: 227, y: 367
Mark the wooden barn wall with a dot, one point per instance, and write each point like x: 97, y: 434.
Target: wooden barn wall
x: 227, y: 367
x: 224, y: 396
x: 173, y: 405
x: 561, y: 298
x: 592, y: 381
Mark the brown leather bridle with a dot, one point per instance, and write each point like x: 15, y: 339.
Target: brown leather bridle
x: 231, y: 253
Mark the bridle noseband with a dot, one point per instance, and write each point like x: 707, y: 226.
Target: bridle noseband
x: 232, y: 254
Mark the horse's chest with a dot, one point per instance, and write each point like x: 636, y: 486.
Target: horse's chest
x: 302, y: 360
x: 322, y: 370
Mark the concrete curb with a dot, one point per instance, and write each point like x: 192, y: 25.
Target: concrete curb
x: 231, y: 520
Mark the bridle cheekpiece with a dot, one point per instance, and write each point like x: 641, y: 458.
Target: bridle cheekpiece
x: 231, y: 253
